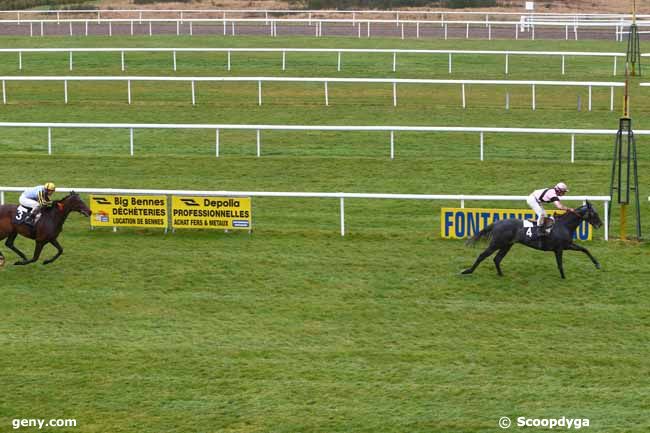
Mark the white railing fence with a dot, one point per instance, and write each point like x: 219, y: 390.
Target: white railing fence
x: 187, y: 26
x: 340, y: 51
x: 325, y: 81
x: 462, y: 198
x: 481, y: 131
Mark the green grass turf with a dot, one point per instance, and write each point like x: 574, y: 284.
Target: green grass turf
x: 293, y: 328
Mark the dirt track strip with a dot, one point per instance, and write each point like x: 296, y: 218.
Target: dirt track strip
x: 331, y: 29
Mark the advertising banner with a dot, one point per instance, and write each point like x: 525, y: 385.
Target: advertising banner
x: 461, y: 223
x: 220, y: 213
x: 128, y: 211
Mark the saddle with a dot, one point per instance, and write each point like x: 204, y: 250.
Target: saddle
x: 22, y: 216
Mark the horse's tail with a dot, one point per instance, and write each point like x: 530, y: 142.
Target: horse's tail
x: 485, y: 233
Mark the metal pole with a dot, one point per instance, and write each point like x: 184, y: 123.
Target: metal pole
x: 193, y: 94
x: 338, y: 67
x: 49, y: 141
x: 562, y: 65
x: 70, y: 60
x: 259, y: 92
x: 463, y: 93
x: 482, y: 139
x: 392, y: 144
x: 394, y: 94
x: 229, y: 60
x: 449, y: 63
x: 20, y: 60
x: 122, y: 58
x: 284, y: 60
x: 506, y: 64
x: 534, y: 106
x: 174, y: 59
x: 65, y: 90
x: 394, y: 60
x: 327, y: 99
x: 573, y: 147
x: 216, y: 143
x: 611, y: 98
x: 128, y: 87
x: 4, y: 92
x: 589, y: 98
x: 258, y: 144
x: 131, y: 140
x: 342, y: 207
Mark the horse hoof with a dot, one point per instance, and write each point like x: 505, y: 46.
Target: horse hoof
x: 466, y: 272
x: 20, y: 263
x: 597, y: 265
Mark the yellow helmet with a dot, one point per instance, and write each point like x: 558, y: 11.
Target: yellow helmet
x: 50, y: 186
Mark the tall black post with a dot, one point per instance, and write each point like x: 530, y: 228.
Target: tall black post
x: 633, y: 50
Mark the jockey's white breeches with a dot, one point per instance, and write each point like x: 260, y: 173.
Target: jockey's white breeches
x: 539, y: 210
x: 28, y: 202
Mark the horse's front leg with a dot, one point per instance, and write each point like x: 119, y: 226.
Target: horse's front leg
x: 558, y: 259
x: 576, y: 247
x: 37, y: 254
x: 10, y: 244
x: 56, y: 256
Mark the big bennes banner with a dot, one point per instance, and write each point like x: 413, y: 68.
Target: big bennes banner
x: 219, y: 213
x: 460, y: 223
x: 128, y: 211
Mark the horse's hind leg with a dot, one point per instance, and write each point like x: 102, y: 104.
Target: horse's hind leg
x: 484, y: 255
x: 56, y: 245
x: 10, y: 244
x: 37, y: 254
x: 500, y: 255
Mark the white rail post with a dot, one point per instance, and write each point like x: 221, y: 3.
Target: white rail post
x: 284, y: 60
x: 394, y: 93
x: 4, y: 92
x: 490, y: 32
x: 368, y: 28
x: 193, y: 94
x: 191, y: 28
x: 131, y: 140
x: 566, y: 32
x: 507, y: 64
x: 70, y: 28
x: 31, y: 30
x: 229, y: 60
x: 216, y: 143
x: 131, y: 27
x: 2, y: 197
x: 417, y: 30
x: 606, y: 203
x: 128, y: 89
x: 42, y: 28
x: 259, y: 92
x: 482, y: 140
x: 70, y: 61
x: 533, y: 31
x: 589, y: 98
x: 467, y: 32
x: 402, y: 31
x: 150, y: 29
x: 615, y: 65
x: 463, y: 94
x: 507, y: 100
x: 86, y: 30
x: 259, y: 146
x: 224, y: 27
x: 611, y: 98
x: 20, y: 60
x: 392, y: 144
x: 359, y: 30
x: 178, y: 28
x: 327, y: 98
x: 534, y: 104
x: 516, y: 32
x: 573, y: 147
x: 65, y: 90
x: 446, y: 37
x: 232, y: 28
x: 110, y: 28
x: 562, y: 65
x: 338, y: 65
x: 449, y: 63
x: 174, y: 59
x: 342, y: 207
x: 49, y: 141
x: 122, y: 59
x: 394, y: 61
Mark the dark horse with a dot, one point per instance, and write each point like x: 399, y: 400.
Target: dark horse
x: 505, y: 233
x: 47, y: 228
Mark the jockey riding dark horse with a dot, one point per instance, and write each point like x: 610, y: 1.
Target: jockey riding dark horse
x: 45, y: 231
x: 505, y: 233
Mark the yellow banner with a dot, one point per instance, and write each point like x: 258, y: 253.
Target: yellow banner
x: 128, y: 211
x: 220, y: 213
x: 460, y: 223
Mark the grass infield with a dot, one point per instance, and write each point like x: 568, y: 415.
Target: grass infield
x: 293, y: 328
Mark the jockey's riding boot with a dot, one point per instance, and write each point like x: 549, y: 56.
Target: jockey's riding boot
x: 31, y: 218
